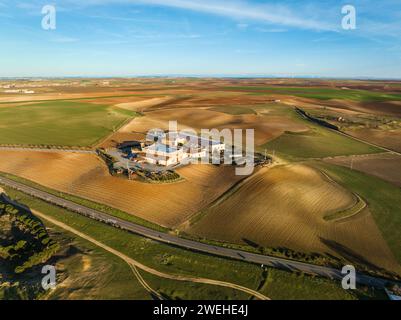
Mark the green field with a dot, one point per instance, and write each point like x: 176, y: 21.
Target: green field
x: 324, y: 93
x: 287, y: 286
x: 318, y: 142
x: 159, y: 256
x: 383, y: 198
x: 75, y: 259
x: 63, y: 123
x: 293, y: 286
x: 107, y: 276
x: 177, y: 261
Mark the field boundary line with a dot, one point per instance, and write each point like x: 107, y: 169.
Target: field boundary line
x: 359, y: 206
x: 73, y: 99
x: 52, y: 149
x: 359, y: 202
x: 129, y: 120
x: 358, y: 156
x: 102, y: 140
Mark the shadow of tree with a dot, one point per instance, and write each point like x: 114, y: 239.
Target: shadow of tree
x: 349, y: 255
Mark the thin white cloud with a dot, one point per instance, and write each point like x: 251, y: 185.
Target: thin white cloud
x: 242, y: 10
x: 270, y: 30
x: 315, y: 15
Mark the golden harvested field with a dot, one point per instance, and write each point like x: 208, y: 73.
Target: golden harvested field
x: 386, y: 166
x: 284, y: 207
x: 87, y: 176
x: 266, y: 127
x: 191, y: 111
x: 143, y: 104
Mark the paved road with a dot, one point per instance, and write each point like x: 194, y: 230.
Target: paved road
x: 25, y: 149
x: 189, y: 244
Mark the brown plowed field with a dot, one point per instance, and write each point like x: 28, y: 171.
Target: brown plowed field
x: 86, y: 176
x: 386, y: 166
x: 387, y: 138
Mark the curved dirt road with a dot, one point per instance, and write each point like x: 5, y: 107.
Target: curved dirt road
x: 139, y: 265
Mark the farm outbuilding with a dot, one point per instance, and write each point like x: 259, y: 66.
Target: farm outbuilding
x: 130, y: 146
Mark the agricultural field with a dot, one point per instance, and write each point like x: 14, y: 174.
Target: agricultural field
x: 390, y: 139
x: 382, y: 130
x: 324, y: 93
x: 143, y: 104
x: 308, y: 205
x: 59, y: 123
x: 267, y: 126
x: 315, y: 141
x: 260, y: 211
x: 384, y: 200
x: 385, y: 166
x: 87, y: 176
x: 77, y: 280
x: 286, y: 286
x: 234, y: 110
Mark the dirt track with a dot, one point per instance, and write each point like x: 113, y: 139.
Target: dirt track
x: 139, y: 265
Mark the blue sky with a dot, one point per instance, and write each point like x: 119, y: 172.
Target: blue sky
x: 200, y: 37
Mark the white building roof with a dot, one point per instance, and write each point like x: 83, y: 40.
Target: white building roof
x: 162, y: 148
x: 200, y: 139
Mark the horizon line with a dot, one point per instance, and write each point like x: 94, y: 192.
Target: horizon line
x: 206, y: 76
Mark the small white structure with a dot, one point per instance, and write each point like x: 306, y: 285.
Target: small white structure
x: 162, y: 154
x: 217, y: 146
x: 175, y: 147
x: 25, y: 91
x: 176, y: 139
x: 197, y: 154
